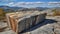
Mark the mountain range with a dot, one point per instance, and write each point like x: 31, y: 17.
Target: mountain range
x: 23, y: 8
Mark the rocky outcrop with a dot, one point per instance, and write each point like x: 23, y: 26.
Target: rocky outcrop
x: 30, y: 21
x: 24, y: 20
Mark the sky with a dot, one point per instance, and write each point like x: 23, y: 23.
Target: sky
x: 30, y: 3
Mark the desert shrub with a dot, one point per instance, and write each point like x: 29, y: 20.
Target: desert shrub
x: 2, y: 14
x: 56, y: 12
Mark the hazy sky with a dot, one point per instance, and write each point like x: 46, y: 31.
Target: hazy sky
x: 31, y: 3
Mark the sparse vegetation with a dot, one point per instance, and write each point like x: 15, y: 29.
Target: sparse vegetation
x: 56, y: 12
x: 2, y: 13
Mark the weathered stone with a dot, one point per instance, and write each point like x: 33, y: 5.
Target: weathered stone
x: 21, y: 25
x: 40, y: 18
x: 3, y: 26
x: 28, y: 23
x: 33, y: 20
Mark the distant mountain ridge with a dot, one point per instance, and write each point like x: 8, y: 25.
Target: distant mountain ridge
x: 23, y: 8
x: 7, y: 7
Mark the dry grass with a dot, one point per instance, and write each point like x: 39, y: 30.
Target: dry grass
x: 56, y: 12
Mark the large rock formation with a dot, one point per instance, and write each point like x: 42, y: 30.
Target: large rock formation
x: 20, y: 21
